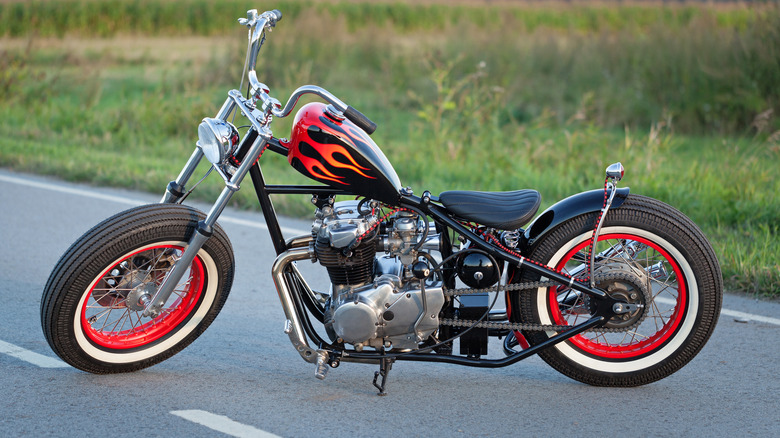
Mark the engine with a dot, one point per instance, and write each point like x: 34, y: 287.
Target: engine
x: 376, y: 300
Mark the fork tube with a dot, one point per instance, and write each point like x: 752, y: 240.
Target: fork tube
x: 226, y: 109
x: 176, y: 188
x: 234, y: 184
x: 202, y: 233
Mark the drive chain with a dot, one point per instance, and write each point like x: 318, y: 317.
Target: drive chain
x: 500, y: 325
x: 502, y: 288
x: 513, y: 326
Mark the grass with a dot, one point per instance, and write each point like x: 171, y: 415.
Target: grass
x: 203, y: 17
x: 686, y: 97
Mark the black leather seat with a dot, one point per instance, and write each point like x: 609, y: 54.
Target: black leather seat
x: 501, y: 210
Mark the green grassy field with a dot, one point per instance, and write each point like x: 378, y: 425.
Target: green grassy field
x: 467, y: 97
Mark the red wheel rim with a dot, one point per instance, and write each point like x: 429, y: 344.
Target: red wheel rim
x: 109, y: 323
x: 659, y: 325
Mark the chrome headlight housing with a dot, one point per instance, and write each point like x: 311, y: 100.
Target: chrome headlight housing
x: 217, y: 139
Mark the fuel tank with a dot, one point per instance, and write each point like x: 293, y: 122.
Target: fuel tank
x: 339, y: 154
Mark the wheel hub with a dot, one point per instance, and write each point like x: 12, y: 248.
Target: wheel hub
x: 632, y: 296
x: 140, y: 296
x: 132, y: 283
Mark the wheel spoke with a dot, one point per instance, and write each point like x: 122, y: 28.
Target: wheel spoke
x: 635, y: 335
x: 94, y: 318
x: 116, y: 324
x: 140, y: 325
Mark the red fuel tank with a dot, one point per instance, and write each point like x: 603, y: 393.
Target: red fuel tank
x: 339, y: 154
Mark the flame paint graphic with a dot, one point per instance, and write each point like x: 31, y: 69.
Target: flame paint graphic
x: 328, y: 152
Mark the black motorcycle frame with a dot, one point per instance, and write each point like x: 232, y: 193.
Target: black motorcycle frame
x: 427, y: 205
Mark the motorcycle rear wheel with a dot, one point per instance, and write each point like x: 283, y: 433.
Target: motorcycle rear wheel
x: 89, y: 310
x: 644, y: 241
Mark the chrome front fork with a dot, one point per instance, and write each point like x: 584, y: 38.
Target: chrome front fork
x: 153, y: 305
x: 175, y: 189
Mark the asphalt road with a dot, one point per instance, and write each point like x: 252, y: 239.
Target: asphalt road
x: 242, y: 377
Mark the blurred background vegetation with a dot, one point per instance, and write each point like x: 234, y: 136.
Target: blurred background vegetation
x: 493, y: 95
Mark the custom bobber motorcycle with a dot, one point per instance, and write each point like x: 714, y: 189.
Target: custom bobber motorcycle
x: 609, y: 288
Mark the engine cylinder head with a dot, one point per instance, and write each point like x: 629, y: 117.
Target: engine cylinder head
x: 348, y: 267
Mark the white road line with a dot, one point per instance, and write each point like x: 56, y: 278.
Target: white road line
x: 260, y: 225
x: 132, y: 202
x: 733, y: 313
x: 223, y: 424
x: 750, y: 316
x: 69, y: 190
x: 30, y: 356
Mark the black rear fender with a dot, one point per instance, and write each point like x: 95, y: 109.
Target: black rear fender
x: 575, y: 205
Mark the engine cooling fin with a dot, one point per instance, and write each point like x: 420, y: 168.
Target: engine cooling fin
x: 353, y: 268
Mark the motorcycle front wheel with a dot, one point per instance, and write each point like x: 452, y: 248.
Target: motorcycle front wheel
x: 90, y: 311
x: 648, y: 254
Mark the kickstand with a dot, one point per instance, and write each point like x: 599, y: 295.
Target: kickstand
x: 385, y: 365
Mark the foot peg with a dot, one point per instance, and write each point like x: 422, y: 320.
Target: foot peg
x: 322, y: 365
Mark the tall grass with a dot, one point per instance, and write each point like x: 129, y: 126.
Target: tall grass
x: 711, y: 69
x: 204, y: 17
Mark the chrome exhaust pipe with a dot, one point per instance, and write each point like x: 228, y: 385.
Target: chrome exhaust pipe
x: 293, y: 326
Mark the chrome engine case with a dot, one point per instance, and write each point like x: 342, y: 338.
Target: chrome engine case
x: 384, y: 314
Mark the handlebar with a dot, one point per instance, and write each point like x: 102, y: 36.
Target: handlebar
x: 260, y: 22
x: 360, y: 120
x: 252, y: 17
x: 259, y: 91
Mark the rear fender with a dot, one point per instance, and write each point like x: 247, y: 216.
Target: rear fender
x: 575, y: 205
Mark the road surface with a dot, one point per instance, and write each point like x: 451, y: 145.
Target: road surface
x: 243, y: 378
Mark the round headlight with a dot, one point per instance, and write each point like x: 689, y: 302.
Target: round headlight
x: 216, y: 138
